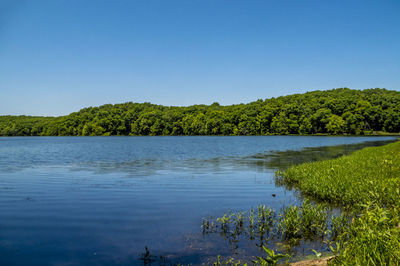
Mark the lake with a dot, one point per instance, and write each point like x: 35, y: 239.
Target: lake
x: 102, y: 200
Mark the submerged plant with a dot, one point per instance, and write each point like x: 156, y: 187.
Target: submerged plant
x: 147, y: 257
x: 207, y: 225
x: 229, y: 262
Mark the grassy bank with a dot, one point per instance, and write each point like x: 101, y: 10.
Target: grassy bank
x: 365, y: 184
x: 368, y: 183
x: 371, y: 175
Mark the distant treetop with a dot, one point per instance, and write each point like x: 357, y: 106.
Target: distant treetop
x: 337, y: 111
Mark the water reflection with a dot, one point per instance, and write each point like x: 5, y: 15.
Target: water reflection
x: 283, y: 159
x: 262, y: 162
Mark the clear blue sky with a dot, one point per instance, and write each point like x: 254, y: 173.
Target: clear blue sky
x: 59, y: 56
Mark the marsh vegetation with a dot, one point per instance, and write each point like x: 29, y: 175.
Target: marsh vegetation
x: 368, y: 183
x: 365, y: 185
x: 285, y: 229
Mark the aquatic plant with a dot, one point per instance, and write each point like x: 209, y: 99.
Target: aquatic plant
x: 289, y: 224
x: 339, y: 225
x: 292, y: 224
x: 239, y: 219
x: 147, y: 257
x: 368, y: 175
x: 313, y: 218
x: 318, y: 254
x: 251, y: 218
x: 271, y: 258
x: 373, y: 238
x: 230, y: 262
x: 266, y: 216
x: 224, y: 221
x: 375, y: 233
x: 366, y: 182
x: 207, y: 225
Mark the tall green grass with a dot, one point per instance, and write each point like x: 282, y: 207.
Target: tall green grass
x: 367, y: 182
x: 368, y: 175
x: 373, y: 238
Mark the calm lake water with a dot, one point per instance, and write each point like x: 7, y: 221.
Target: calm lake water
x: 101, y: 200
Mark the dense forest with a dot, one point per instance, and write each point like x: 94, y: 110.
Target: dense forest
x: 338, y: 111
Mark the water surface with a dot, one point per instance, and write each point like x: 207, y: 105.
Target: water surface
x: 101, y: 200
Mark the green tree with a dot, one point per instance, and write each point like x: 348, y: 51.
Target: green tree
x: 336, y: 125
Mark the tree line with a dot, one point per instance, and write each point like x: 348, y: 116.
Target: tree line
x: 337, y: 111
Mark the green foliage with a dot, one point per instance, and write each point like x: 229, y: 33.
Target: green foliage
x: 372, y: 239
x: 289, y: 221
x: 229, y: 262
x: 339, y: 225
x: 339, y: 111
x: 307, y: 221
x: 336, y: 124
x: 368, y: 183
x: 314, y: 219
x: 271, y: 258
x: 265, y: 218
x: 224, y: 221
